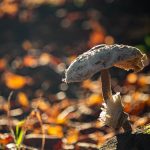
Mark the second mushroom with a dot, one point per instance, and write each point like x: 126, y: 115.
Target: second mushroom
x: 101, y: 58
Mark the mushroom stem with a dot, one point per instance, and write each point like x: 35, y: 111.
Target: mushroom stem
x: 106, y: 85
x: 107, y: 95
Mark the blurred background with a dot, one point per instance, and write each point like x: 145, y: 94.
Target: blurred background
x: 38, y: 41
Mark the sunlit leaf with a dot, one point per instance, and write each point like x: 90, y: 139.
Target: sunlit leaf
x: 109, y: 40
x: 147, y: 129
x: 127, y: 107
x: 55, y: 130
x: 44, y: 59
x: 20, y: 138
x: 5, y: 139
x: 14, y: 81
x: 96, y: 38
x: 41, y: 104
x: 94, y: 99
x: 132, y: 78
x: 23, y: 99
x: 62, y: 117
x: 9, y: 8
x: 18, y: 126
x: 72, y: 136
x: 30, y: 61
x: 141, y: 121
x: 93, y: 86
x: 143, y: 80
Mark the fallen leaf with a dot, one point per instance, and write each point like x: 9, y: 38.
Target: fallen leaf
x: 14, y: 81
x: 23, y: 99
x: 55, y: 130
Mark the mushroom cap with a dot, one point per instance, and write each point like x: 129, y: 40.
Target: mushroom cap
x: 103, y: 57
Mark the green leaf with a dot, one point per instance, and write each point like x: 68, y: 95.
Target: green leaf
x: 18, y: 128
x: 147, y: 129
x: 20, y: 138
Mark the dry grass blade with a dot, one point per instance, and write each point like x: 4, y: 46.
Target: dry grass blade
x: 8, y: 116
x: 42, y: 128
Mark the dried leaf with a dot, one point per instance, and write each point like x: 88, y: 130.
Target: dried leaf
x: 2, y: 64
x: 72, y: 136
x: 55, y: 130
x: 30, y: 61
x: 96, y: 37
x: 94, y: 99
x: 23, y: 99
x: 14, y: 81
x: 5, y: 139
x: 132, y: 78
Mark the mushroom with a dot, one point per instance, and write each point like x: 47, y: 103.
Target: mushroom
x: 101, y: 58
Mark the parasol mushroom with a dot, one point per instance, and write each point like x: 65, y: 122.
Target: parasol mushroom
x: 101, y: 58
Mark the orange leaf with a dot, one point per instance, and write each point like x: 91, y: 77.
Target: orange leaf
x: 109, y: 40
x: 14, y: 81
x: 144, y: 80
x: 127, y: 107
x: 94, y: 99
x: 93, y: 86
x: 30, y: 61
x: 2, y: 64
x: 55, y: 130
x: 72, y: 136
x: 27, y: 45
x: 23, y: 99
x: 42, y: 105
x: 141, y: 121
x: 9, y: 8
x: 132, y: 78
x: 5, y: 139
x: 96, y: 37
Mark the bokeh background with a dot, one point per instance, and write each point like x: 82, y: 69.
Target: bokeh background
x: 40, y: 38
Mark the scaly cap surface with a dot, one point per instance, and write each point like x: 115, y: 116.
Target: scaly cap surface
x: 103, y: 57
